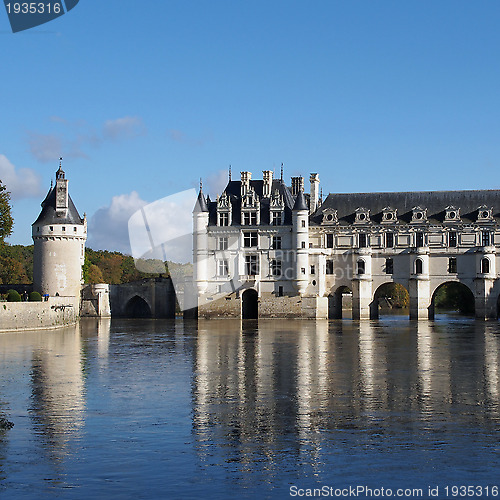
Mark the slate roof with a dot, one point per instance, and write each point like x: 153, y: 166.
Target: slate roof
x: 435, y: 202
x: 48, y: 214
x: 233, y: 191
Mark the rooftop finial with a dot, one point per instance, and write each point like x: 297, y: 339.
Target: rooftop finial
x: 60, y: 162
x: 201, y: 185
x: 229, y: 173
x: 282, y: 171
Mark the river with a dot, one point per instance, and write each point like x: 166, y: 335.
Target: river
x: 220, y: 409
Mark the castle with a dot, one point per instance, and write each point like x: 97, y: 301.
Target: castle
x: 59, y: 235
x: 265, y: 249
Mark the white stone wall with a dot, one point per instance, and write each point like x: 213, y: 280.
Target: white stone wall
x: 56, y: 312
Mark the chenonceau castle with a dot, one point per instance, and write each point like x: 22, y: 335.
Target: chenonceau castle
x: 265, y: 249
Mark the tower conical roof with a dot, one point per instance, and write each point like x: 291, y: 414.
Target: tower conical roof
x: 201, y: 204
x: 300, y: 202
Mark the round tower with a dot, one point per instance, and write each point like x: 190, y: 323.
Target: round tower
x: 300, y: 242
x: 59, y: 236
x: 200, y: 243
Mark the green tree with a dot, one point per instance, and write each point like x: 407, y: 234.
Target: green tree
x: 6, y: 220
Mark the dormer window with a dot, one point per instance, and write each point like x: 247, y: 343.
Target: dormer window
x: 329, y: 216
x: 419, y: 214
x: 484, y: 214
x: 362, y: 216
x: 249, y: 218
x: 389, y: 215
x: 223, y: 210
x: 452, y: 214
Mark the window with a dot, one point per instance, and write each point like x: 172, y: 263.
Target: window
x: 63, y: 229
x: 329, y: 241
x: 250, y: 240
x: 313, y: 270
x: 389, y: 266
x: 389, y: 240
x: 303, y: 223
x: 418, y: 266
x: 280, y: 291
x: 452, y: 265
x: 329, y: 267
x: 303, y: 244
x: 419, y: 239
x: 222, y: 243
x: 223, y: 219
x: 276, y: 243
x: 51, y: 228
x: 452, y: 239
x: 362, y: 241
x: 485, y: 238
x: 38, y: 228
x: 360, y: 266
x: 249, y: 219
x: 303, y: 270
x: 222, y: 268
x: 251, y: 265
x: 74, y: 229
x: 276, y: 218
x: 485, y: 265
x: 276, y: 267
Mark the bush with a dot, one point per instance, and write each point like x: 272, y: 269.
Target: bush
x: 35, y: 297
x: 13, y: 296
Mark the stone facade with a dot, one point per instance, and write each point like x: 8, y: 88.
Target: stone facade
x: 265, y: 249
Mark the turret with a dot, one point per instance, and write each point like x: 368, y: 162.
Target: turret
x: 59, y: 236
x: 200, y: 242
x: 300, y: 242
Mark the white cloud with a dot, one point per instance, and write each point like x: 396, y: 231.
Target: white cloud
x: 123, y: 128
x: 45, y: 147
x: 74, y: 139
x: 215, y: 183
x: 159, y: 230
x: 22, y: 183
x: 108, y: 227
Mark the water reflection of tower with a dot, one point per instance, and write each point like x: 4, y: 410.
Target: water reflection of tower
x: 57, y: 382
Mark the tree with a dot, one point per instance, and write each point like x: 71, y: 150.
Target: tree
x: 6, y: 220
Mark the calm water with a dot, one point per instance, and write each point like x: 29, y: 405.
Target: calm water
x: 150, y: 409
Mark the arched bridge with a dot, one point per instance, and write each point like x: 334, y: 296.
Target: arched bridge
x: 150, y: 298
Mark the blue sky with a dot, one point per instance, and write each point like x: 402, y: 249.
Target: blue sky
x: 144, y: 98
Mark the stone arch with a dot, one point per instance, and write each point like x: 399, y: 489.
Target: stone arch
x: 453, y: 296
x: 389, y: 296
x: 250, y: 304
x: 337, y: 301
x: 137, y: 307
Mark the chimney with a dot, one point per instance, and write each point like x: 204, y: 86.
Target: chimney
x: 245, y: 182
x: 314, y: 193
x: 267, y: 176
x: 297, y: 185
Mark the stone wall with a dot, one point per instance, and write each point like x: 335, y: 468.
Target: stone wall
x: 53, y: 313
x: 269, y: 306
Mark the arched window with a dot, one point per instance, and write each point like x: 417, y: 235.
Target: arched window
x: 418, y: 266
x: 485, y: 265
x: 361, y: 266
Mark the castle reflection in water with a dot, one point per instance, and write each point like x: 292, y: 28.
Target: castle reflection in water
x: 255, y: 392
